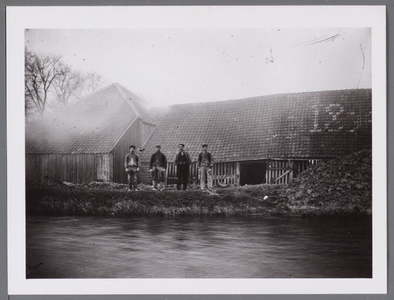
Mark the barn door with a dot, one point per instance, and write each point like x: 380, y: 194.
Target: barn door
x: 252, y: 172
x: 279, y: 171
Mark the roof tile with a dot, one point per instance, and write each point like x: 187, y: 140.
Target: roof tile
x: 300, y: 125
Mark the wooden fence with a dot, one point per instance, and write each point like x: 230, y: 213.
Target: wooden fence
x: 172, y: 170
x: 222, y: 173
x: 277, y: 172
x: 226, y: 173
x: 283, y: 171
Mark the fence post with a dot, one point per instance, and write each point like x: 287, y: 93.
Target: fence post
x: 237, y: 173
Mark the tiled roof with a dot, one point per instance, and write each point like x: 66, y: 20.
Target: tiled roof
x: 299, y: 125
x: 92, y: 125
x: 136, y: 103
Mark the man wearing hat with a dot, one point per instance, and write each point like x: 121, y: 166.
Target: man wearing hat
x: 158, y: 165
x: 205, y: 163
x: 132, y: 166
x: 182, y: 161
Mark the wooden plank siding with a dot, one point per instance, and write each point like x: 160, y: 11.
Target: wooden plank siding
x: 88, y: 167
x: 144, y: 176
x: 131, y: 137
x: 76, y: 168
x: 136, y: 135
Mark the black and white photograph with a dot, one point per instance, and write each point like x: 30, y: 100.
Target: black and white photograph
x: 226, y: 152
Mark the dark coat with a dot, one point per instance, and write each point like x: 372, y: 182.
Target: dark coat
x: 187, y: 156
x: 158, y: 159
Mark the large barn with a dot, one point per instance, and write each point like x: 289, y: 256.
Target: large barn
x: 267, y: 139
x: 87, y: 141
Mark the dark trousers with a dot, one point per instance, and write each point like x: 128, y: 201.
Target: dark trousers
x: 158, y: 175
x: 183, y: 176
x: 132, y: 177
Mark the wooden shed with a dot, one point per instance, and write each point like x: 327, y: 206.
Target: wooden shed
x: 267, y: 139
x: 87, y: 141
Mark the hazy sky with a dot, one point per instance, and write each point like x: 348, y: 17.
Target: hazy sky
x: 168, y: 66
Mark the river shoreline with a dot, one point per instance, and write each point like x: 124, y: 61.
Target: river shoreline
x: 109, y: 199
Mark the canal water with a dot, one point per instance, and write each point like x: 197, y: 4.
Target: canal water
x: 198, y: 247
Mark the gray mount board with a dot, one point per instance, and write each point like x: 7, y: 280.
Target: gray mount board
x: 3, y: 179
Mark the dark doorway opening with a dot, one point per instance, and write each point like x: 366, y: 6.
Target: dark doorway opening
x: 252, y: 173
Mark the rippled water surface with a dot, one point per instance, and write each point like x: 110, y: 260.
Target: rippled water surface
x: 198, y: 247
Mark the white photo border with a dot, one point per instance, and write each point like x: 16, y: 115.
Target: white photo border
x: 20, y: 18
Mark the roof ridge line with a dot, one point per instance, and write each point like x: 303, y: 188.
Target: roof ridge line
x: 97, y: 91
x: 268, y: 95
x: 123, y: 133
x: 149, y: 136
x: 130, y: 103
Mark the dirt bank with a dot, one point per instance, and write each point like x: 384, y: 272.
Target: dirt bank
x: 333, y: 186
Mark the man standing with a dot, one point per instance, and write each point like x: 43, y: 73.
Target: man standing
x: 158, y: 165
x: 205, y: 163
x: 131, y: 164
x: 182, y: 161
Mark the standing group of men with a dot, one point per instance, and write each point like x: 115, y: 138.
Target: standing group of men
x: 158, y: 165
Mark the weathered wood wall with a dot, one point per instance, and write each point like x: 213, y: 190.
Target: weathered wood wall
x: 144, y: 176
x: 136, y: 135
x: 76, y: 168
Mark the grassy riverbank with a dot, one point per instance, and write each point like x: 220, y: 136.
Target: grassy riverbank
x: 114, y: 199
x: 100, y: 199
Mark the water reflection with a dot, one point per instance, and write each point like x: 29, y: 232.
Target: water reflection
x: 196, y: 247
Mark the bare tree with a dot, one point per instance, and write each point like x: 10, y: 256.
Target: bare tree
x: 30, y: 111
x: 40, y: 72
x: 68, y: 83
x: 93, y: 82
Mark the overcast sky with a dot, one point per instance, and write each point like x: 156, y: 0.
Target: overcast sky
x: 168, y: 66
